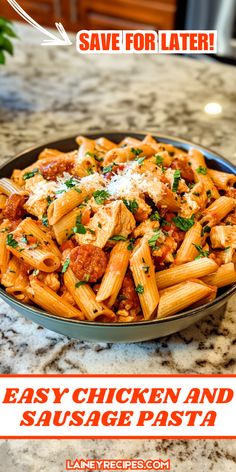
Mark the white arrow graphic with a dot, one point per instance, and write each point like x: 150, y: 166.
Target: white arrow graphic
x: 54, y: 40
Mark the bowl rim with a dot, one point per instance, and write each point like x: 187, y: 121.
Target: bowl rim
x: 177, y: 316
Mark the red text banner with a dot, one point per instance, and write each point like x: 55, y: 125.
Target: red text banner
x: 117, y: 406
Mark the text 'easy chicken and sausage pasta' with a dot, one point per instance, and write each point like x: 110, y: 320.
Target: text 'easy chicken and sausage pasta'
x: 117, y: 232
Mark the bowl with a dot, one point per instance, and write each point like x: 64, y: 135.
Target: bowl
x: 118, y: 332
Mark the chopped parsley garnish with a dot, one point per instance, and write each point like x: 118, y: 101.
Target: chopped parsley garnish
x: 79, y: 228
x: 139, y: 288
x: 130, y: 246
x: 197, y: 194
x: 159, y: 159
x: 70, y: 183
x: 206, y: 229
x: 177, y: 177
x: 45, y: 220
x: 118, y: 237
x: 136, y: 151
x: 77, y: 189
x: 98, y: 159
x: 132, y: 205
x: 49, y: 199
x: 28, y: 175
x: 201, y: 170
x: 24, y: 239
x: 109, y: 168
x: 140, y: 160
x: 226, y: 248
x: 152, y: 241
x: 89, y: 171
x: 100, y: 196
x: 81, y: 282
x: 11, y: 241
x: 65, y: 266
x: 90, y: 154
x: 146, y: 268
x: 86, y: 277
x: 209, y: 194
x: 99, y: 225
x: 202, y: 253
x: 91, y: 230
x: 183, y: 223
x: 155, y: 216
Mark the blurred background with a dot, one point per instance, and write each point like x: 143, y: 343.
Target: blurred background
x: 137, y: 14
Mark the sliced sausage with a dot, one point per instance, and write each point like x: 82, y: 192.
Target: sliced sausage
x: 51, y: 170
x: 88, y: 262
x: 14, y: 207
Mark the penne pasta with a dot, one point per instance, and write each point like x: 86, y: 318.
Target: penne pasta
x: 7, y: 187
x: 217, y: 211
x: 199, y: 167
x: 114, y: 275
x: 180, y: 273
x: 181, y: 296
x: 119, y: 232
x: 187, y: 251
x: 85, y: 298
x: 225, y: 275
x: 143, y: 271
x: 63, y: 205
x: 43, y: 296
x: 222, y: 180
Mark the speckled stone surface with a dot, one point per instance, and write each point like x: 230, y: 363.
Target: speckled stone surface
x: 48, y: 93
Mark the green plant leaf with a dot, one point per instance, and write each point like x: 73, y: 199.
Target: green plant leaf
x: 2, y: 58
x: 6, y: 45
x: 7, y: 31
x: 5, y: 21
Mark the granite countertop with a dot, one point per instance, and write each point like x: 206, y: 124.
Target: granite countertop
x: 48, y: 93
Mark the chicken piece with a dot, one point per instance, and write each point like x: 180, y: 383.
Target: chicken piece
x: 146, y: 228
x: 110, y: 220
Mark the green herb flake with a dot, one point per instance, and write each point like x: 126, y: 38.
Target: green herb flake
x: 202, y: 253
x: 206, y: 229
x: 197, y: 194
x: 130, y: 246
x: 155, y: 216
x: 86, y: 277
x: 49, y: 199
x: 81, y: 282
x: 159, y: 159
x: 209, y: 194
x: 118, y: 237
x: 136, y: 151
x: 90, y: 171
x: 65, y: 266
x: 227, y: 248
x: 132, y: 205
x: 11, y: 241
x: 79, y: 228
x: 24, y: 239
x: 140, y: 160
x: 139, y: 289
x: 183, y: 223
x: 45, y: 220
x: 177, y: 177
x: 99, y: 225
x: 152, y: 241
x: 100, y: 196
x: 108, y: 169
x: 201, y: 170
x: 29, y: 175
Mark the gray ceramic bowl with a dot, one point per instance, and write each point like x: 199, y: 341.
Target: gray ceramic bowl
x: 118, y: 332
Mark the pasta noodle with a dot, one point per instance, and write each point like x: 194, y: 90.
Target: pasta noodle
x: 117, y: 232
